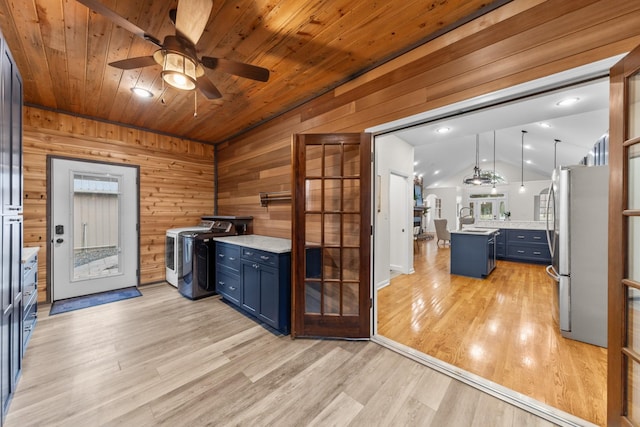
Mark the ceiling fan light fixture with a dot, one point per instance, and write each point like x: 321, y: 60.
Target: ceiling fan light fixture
x: 179, y: 70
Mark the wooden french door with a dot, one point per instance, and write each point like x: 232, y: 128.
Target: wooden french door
x: 331, y: 235
x: 624, y: 243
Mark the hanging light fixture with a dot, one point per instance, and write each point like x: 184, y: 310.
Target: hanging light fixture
x: 522, y: 189
x: 493, y: 177
x: 477, y: 178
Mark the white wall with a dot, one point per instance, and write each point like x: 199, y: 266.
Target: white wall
x: 391, y: 154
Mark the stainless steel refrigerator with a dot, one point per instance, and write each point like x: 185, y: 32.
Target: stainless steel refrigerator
x: 578, y: 239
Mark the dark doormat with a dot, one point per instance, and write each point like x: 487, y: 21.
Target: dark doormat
x: 85, y: 301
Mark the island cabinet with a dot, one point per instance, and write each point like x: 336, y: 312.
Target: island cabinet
x: 258, y: 281
x: 473, y: 253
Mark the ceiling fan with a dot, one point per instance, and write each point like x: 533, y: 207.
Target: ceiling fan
x: 181, y: 67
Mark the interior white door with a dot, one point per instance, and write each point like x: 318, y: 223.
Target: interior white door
x: 400, y: 231
x: 94, y: 217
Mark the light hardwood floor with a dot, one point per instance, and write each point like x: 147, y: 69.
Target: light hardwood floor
x: 501, y: 328
x: 161, y: 359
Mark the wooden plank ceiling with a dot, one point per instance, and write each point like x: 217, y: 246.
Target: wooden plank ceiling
x: 63, y: 49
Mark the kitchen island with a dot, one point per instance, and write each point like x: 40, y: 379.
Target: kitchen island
x: 473, y: 251
x: 520, y: 241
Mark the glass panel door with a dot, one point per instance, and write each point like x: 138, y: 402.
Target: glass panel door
x: 623, y: 388
x: 331, y: 235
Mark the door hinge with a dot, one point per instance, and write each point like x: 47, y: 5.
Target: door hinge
x: 372, y: 230
x: 137, y: 273
x: 370, y: 302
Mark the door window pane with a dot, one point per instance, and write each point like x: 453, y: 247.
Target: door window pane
x: 633, y: 391
x: 96, y: 227
x: 312, y: 297
x: 486, y: 210
x: 633, y: 319
x: 332, y: 160
x: 350, y: 299
x: 633, y: 251
x: 351, y: 160
x: 634, y: 177
x: 313, y: 158
x: 634, y: 106
x: 331, y: 299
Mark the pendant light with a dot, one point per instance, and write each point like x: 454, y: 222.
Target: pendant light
x: 477, y: 178
x: 522, y: 189
x: 493, y: 178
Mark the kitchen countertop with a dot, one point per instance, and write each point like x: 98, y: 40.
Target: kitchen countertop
x: 476, y: 231
x: 522, y: 225
x: 255, y: 241
x: 28, y: 252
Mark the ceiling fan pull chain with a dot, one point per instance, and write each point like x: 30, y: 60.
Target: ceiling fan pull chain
x: 195, y: 103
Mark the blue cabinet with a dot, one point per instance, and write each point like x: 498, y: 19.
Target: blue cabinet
x: 473, y: 255
x: 524, y: 246
x: 257, y: 281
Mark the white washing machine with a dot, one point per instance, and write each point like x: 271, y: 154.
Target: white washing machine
x: 173, y: 249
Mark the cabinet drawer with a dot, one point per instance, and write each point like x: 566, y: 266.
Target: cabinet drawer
x: 29, y: 323
x: 527, y: 236
x: 537, y: 252
x: 29, y: 286
x: 228, y: 255
x: 262, y: 257
x: 228, y: 285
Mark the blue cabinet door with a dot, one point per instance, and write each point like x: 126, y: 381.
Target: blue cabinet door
x: 251, y: 287
x: 269, y: 296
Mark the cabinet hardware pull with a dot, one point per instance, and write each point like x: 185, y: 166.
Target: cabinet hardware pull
x: 264, y: 257
x: 221, y: 255
x: 232, y: 288
x: 520, y: 252
x: 248, y: 253
x: 232, y: 259
x: 15, y: 220
x: 255, y: 266
x: 28, y: 328
x: 536, y: 253
x: 27, y: 268
x: 537, y: 237
x: 520, y: 237
x: 221, y: 283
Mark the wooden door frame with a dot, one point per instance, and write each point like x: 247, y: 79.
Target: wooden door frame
x: 618, y: 236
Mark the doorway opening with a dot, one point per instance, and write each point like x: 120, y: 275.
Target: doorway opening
x: 453, y: 192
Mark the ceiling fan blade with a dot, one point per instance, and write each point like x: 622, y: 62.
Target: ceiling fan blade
x: 132, y: 63
x: 98, y: 7
x: 236, y: 68
x: 192, y: 17
x: 208, y: 88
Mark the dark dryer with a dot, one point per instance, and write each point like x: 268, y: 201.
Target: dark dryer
x: 198, y: 263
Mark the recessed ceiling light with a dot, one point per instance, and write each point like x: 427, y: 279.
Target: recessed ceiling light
x: 567, y: 102
x: 443, y: 129
x: 141, y: 92
x: 527, y: 147
x: 528, y: 162
x: 415, y: 163
x: 436, y: 172
x: 544, y: 125
x: 420, y: 176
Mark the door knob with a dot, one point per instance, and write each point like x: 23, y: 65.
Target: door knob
x: 59, y: 240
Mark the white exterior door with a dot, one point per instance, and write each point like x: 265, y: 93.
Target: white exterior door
x: 94, y: 227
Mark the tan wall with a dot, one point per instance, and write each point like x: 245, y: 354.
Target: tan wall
x: 521, y: 41
x: 176, y: 178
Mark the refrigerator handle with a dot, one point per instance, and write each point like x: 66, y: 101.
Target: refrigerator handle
x: 549, y: 195
x: 552, y: 273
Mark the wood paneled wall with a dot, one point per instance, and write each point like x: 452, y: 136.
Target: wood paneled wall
x: 176, y: 178
x: 518, y: 42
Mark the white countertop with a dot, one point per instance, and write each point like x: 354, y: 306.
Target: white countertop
x: 522, y: 225
x: 28, y: 252
x: 476, y: 231
x: 255, y: 241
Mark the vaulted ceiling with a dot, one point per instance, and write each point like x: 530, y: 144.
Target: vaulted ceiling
x: 63, y: 49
